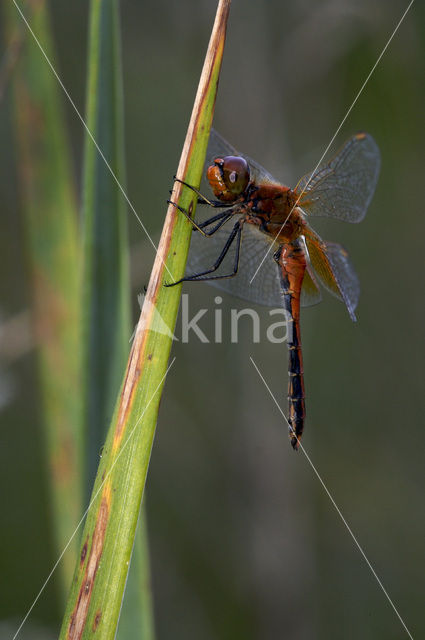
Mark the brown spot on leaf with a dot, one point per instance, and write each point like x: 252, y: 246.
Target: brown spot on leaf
x: 71, y: 627
x: 97, y: 619
x: 83, y: 553
x: 79, y: 615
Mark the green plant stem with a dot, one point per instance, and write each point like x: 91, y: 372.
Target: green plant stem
x: 106, y: 282
x: 99, y: 580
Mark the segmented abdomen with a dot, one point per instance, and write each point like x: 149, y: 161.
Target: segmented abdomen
x: 292, y: 264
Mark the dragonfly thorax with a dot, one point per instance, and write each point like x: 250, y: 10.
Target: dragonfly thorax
x: 272, y: 208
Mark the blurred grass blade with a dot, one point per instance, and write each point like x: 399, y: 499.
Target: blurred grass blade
x: 106, y: 281
x: 96, y: 595
x: 50, y: 222
x: 106, y: 301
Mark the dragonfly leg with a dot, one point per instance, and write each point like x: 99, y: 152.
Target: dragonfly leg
x: 276, y: 255
x: 204, y: 275
x: 222, y: 218
x: 187, y: 215
x: 203, y: 199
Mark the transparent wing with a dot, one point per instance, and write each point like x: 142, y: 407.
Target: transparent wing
x: 310, y: 292
x: 266, y: 288
x: 331, y: 264
x: 343, y: 188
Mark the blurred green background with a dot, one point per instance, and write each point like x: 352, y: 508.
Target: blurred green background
x: 244, y: 541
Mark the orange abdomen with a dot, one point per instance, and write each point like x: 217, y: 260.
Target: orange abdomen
x: 292, y: 264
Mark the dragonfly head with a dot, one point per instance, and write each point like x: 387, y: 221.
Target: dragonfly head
x: 229, y: 177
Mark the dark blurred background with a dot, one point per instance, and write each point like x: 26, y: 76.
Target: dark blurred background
x: 244, y: 541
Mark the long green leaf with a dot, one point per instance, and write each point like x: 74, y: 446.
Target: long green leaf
x: 105, y: 272
x: 106, y: 281
x: 99, y: 580
x: 50, y: 221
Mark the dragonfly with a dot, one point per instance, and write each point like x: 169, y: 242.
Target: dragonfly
x: 262, y: 232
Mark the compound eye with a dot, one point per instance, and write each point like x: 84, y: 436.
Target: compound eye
x: 236, y: 174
